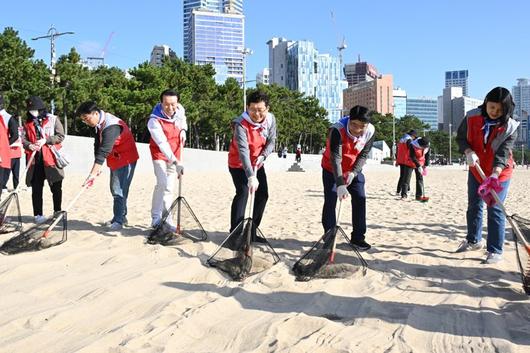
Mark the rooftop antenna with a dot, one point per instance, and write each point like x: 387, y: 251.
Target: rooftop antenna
x: 341, y: 46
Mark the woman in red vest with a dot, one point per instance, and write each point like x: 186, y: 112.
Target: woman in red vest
x: 253, y: 141
x: 42, y: 130
x: 5, y: 157
x: 405, y: 171
x: 487, y: 135
x: 347, y: 147
x: 15, y: 146
x: 114, y: 142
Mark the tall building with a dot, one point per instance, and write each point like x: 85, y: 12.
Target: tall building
x: 400, y: 102
x: 219, y: 6
x: 425, y: 109
x: 376, y: 95
x: 521, y: 97
x: 455, y: 107
x: 299, y: 66
x: 359, y: 72
x: 457, y: 79
x: 218, y: 39
x: 158, y: 54
x: 263, y: 77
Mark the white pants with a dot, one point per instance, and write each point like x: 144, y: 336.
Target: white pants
x: 163, y: 193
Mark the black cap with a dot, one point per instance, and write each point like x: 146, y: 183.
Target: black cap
x: 359, y: 113
x: 423, y: 141
x: 413, y: 133
x: 35, y: 103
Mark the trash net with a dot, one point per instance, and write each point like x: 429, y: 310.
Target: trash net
x: 244, y: 252
x: 324, y: 260
x: 53, y: 232
x: 10, y: 217
x: 179, y: 224
x: 521, y: 229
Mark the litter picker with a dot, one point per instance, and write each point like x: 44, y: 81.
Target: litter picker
x: 521, y: 237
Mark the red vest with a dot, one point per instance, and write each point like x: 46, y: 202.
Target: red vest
x: 419, y: 152
x: 124, y: 150
x: 485, y: 153
x: 172, y: 132
x: 256, y: 143
x: 48, y: 127
x: 350, y: 151
x: 4, y: 146
x: 403, y: 150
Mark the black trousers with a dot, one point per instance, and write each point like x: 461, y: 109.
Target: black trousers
x: 405, y: 180
x: 419, y: 184
x: 15, y: 168
x: 3, y: 172
x: 358, y: 204
x: 239, y: 202
x: 37, y: 185
x: 401, y: 176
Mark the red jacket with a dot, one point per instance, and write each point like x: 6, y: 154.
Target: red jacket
x: 48, y: 129
x: 486, y: 151
x: 124, y: 150
x: 5, y: 158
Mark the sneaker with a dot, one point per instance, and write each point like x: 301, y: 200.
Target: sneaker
x: 422, y: 198
x: 360, y: 244
x: 467, y: 246
x: 39, y: 219
x: 115, y: 226
x: 109, y: 223
x: 493, y: 258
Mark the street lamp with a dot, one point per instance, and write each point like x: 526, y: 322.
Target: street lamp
x: 450, y: 135
x: 246, y: 52
x: 393, y: 132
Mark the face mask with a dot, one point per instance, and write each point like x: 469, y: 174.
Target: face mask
x: 34, y: 113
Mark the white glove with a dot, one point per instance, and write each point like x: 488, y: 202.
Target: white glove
x: 348, y: 178
x: 494, y: 175
x: 420, y: 170
x: 252, y: 184
x: 182, y: 137
x: 89, y: 181
x: 179, y: 168
x: 472, y: 158
x: 259, y: 161
x: 41, y: 142
x: 342, y: 192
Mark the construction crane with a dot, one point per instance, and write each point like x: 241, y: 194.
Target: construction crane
x: 95, y: 61
x: 342, y: 43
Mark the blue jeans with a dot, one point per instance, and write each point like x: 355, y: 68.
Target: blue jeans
x: 120, y: 180
x: 496, y: 218
x: 358, y: 204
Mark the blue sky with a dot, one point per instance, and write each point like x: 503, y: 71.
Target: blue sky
x: 416, y: 41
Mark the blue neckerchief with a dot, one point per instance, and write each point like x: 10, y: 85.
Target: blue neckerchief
x: 488, y: 124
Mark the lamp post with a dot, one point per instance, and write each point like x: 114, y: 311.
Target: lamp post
x: 450, y: 135
x: 246, y: 52
x: 393, y: 133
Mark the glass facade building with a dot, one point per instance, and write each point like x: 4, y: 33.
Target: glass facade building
x: 425, y: 109
x: 457, y: 79
x: 400, y: 102
x: 301, y: 68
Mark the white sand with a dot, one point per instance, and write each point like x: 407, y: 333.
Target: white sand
x: 104, y: 293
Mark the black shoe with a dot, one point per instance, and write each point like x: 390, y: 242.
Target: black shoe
x: 360, y: 244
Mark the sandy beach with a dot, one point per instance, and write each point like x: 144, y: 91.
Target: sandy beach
x: 103, y: 292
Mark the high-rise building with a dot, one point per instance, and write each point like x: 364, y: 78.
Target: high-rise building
x: 376, y: 95
x: 219, y: 6
x: 359, y: 72
x: 263, y: 77
x: 400, y: 102
x: 218, y: 39
x: 299, y: 66
x: 158, y: 54
x: 425, y: 109
x: 455, y: 107
x: 521, y: 97
x: 457, y: 79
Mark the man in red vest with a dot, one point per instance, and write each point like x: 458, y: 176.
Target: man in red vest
x: 5, y: 157
x: 15, y: 146
x: 115, y: 143
x: 167, y: 126
x: 253, y: 141
x: 347, y: 147
x: 418, y: 159
x: 402, y: 154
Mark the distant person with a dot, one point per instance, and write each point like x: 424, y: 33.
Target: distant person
x: 114, y: 143
x: 284, y: 152
x: 42, y: 131
x: 167, y: 126
x: 347, y: 147
x: 15, y: 146
x: 254, y: 136
x: 298, y: 153
x: 487, y: 136
x: 5, y: 156
x: 419, y: 155
x: 402, y: 156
